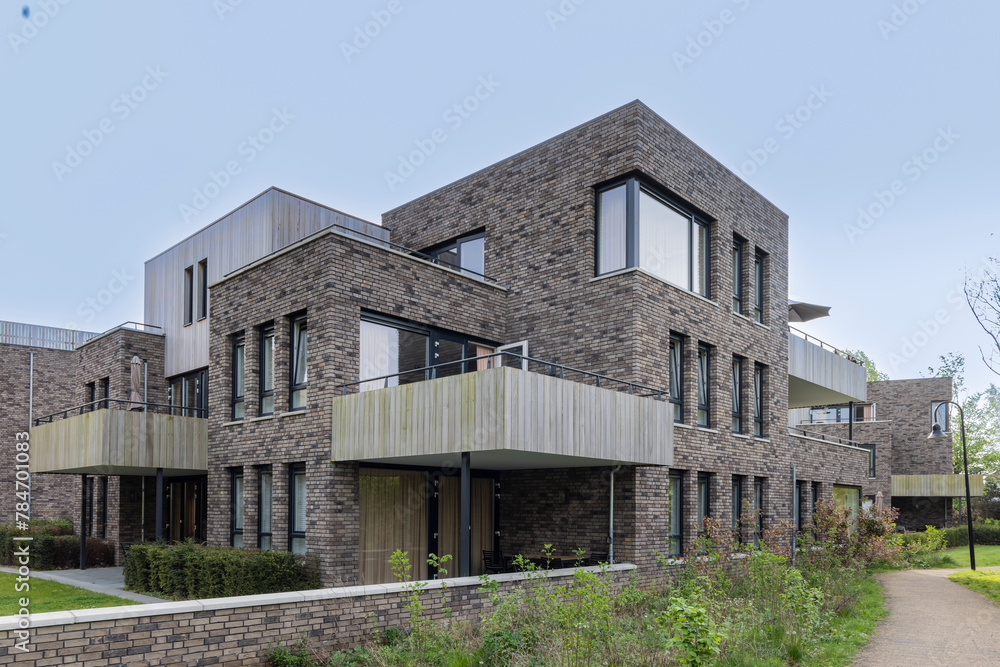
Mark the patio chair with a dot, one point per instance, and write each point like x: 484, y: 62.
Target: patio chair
x: 493, y: 562
x: 597, y: 557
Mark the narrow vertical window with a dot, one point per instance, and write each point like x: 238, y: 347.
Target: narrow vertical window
x: 758, y: 507
x: 758, y: 288
x: 298, y: 394
x: 737, y: 276
x: 676, y: 503
x: 239, y: 377
x: 737, y: 507
x: 704, y: 500
x: 265, y: 490
x: 188, y: 295
x: 202, y: 289
x: 91, y: 397
x: 611, y: 230
x: 737, y: 395
x: 236, y: 533
x: 758, y: 400
x: 939, y: 415
x: 871, y: 459
x: 267, y: 371
x: 297, y: 511
x: 797, y: 510
x: 815, y: 497
x: 105, y: 393
x: 677, y: 377
x: 704, y: 392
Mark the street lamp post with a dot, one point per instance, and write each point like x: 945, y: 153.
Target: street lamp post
x: 937, y: 433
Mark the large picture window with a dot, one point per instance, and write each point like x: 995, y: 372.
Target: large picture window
x: 297, y: 397
x: 704, y: 389
x: 638, y: 227
x: 467, y: 254
x: 677, y: 377
x: 267, y: 370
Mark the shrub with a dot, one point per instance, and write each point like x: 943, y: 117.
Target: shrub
x: 54, y: 546
x: 986, y: 534
x: 191, y: 571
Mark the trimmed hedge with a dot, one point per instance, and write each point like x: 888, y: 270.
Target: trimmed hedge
x: 958, y: 536
x: 190, y: 571
x: 54, y: 546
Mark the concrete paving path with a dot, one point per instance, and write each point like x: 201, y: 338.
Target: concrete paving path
x: 107, y: 580
x: 933, y: 621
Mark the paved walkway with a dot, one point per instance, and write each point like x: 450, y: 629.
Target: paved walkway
x: 107, y: 580
x: 933, y: 621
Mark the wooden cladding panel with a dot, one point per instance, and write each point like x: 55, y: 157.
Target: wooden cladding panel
x: 502, y: 409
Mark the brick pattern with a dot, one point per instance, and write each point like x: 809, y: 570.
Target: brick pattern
x: 332, y: 279
x: 242, y: 635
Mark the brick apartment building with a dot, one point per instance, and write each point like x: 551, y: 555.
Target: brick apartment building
x: 585, y: 344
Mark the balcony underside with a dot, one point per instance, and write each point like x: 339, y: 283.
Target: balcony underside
x: 818, y: 376
x: 119, y: 442
x: 507, y: 418
x: 936, y: 486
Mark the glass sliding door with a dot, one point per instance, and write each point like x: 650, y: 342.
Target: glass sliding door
x: 393, y: 513
x: 449, y: 524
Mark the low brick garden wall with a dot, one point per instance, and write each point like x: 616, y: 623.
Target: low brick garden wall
x: 240, y: 629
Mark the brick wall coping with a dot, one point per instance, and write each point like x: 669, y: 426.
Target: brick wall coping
x: 333, y: 231
x: 8, y: 623
x: 827, y: 442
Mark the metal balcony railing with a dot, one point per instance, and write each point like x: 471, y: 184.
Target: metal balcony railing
x: 795, y: 430
x: 825, y: 346
x: 122, y: 404
x: 496, y: 359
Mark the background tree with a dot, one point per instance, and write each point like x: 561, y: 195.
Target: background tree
x: 983, y: 295
x: 874, y: 374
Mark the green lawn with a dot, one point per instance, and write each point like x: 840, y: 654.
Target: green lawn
x: 986, y: 583
x: 50, y: 596
x: 986, y: 556
x: 852, y: 628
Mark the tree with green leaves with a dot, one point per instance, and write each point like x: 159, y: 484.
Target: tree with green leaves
x: 874, y: 374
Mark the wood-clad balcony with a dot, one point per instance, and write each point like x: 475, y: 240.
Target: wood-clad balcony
x: 820, y: 374
x: 505, y: 418
x: 107, y: 438
x: 936, y: 486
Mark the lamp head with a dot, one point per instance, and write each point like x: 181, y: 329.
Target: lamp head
x: 936, y: 432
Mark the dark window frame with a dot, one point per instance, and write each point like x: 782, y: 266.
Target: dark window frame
x: 188, y: 295
x: 704, y: 386
x: 634, y: 186
x: 676, y: 362
x: 737, y: 394
x: 758, y: 400
x: 105, y: 393
x: 239, y: 399
x: 871, y: 459
x: 704, y: 505
x: 457, y: 244
x: 202, y: 289
x: 237, y: 507
x: 261, y: 533
x: 940, y: 407
x: 758, y: 507
x: 293, y: 534
x: 298, y: 324
x: 736, y: 500
x: 266, y: 331
x: 738, y: 245
x: 91, y: 396
x: 675, y: 545
x: 758, y: 290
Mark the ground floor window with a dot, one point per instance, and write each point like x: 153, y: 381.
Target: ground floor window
x: 236, y: 495
x: 676, y: 503
x: 758, y: 507
x: 418, y: 511
x: 297, y: 510
x: 704, y: 498
x: 265, y: 486
x: 737, y: 507
x: 847, y: 497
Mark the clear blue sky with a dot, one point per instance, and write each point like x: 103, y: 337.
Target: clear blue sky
x: 182, y: 85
